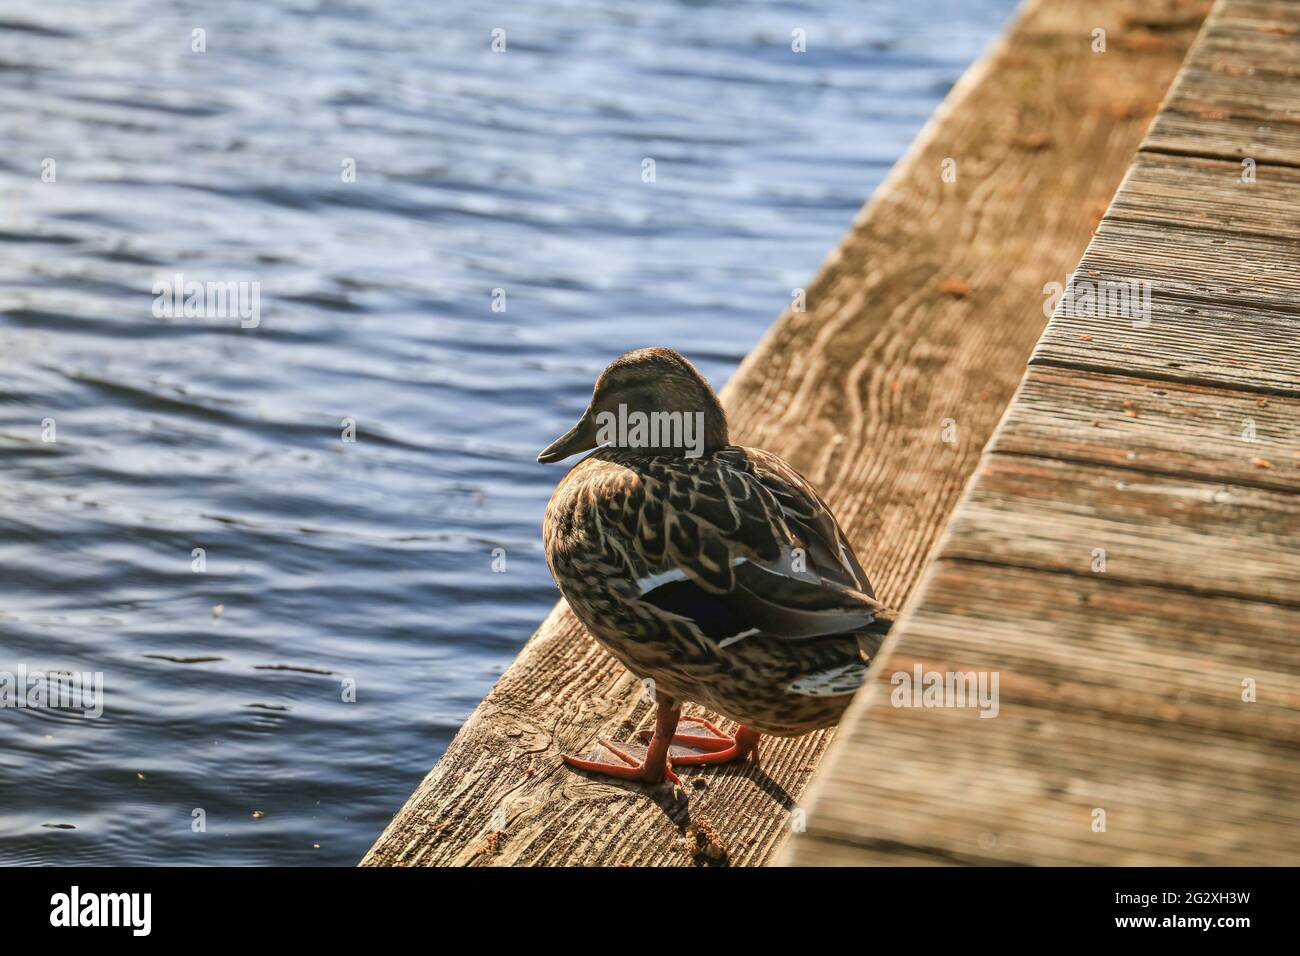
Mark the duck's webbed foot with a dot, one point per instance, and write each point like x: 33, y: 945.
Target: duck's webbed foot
x: 644, y: 762
x: 709, y: 744
x: 627, y: 761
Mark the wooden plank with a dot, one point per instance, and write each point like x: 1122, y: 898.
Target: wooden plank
x: 996, y: 796
x: 1239, y: 94
x: 1101, y: 644
x: 926, y: 311
x: 1221, y: 259
x: 1193, y: 534
x: 1115, y: 696
x: 1209, y: 194
x: 1245, y: 272
x: 1196, y: 342
x: 1224, y: 302
x: 1161, y: 686
x: 1208, y: 134
x: 1157, y: 427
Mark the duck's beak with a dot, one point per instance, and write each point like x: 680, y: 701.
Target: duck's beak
x: 581, y: 437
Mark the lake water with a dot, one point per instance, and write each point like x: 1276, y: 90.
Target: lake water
x: 130, y: 437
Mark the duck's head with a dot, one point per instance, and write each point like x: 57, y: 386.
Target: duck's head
x: 650, y: 399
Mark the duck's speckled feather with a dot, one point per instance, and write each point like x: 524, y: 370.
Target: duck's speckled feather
x: 724, y: 579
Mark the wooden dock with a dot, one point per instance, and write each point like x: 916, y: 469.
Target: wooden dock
x: 885, y: 393
x: 1127, y: 559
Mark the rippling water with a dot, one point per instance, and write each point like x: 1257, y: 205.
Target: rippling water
x: 363, y: 564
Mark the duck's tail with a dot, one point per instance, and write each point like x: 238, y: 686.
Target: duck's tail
x: 844, y: 679
x: 873, y: 635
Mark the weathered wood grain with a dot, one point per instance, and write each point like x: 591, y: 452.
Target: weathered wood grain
x: 1187, y: 533
x: 1163, y: 428
x: 1238, y: 96
x: 1113, y: 696
x: 925, y: 313
x: 1248, y: 273
x: 1157, y: 685
x: 1210, y: 194
x: 1221, y: 261
x: 1197, y: 341
x: 1099, y: 643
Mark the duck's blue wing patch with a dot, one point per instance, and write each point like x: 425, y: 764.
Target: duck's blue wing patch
x: 763, y: 602
x: 716, y: 617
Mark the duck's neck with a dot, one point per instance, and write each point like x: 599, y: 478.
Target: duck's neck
x: 716, y: 435
x: 708, y: 430
x: 669, y: 434
x: 710, y: 426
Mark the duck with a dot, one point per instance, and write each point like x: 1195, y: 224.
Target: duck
x: 713, y: 572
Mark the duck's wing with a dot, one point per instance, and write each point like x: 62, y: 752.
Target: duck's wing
x: 811, y: 521
x: 739, y: 544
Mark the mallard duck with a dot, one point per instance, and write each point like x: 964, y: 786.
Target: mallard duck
x: 714, y: 572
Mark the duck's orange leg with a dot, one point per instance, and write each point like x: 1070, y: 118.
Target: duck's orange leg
x: 646, y: 763
x: 714, y: 746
